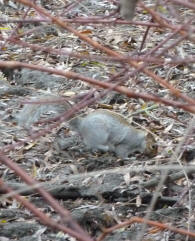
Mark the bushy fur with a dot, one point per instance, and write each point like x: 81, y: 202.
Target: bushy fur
x: 127, y: 8
x: 108, y: 131
x: 31, y: 113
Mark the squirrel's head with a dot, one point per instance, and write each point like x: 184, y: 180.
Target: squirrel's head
x: 151, y: 146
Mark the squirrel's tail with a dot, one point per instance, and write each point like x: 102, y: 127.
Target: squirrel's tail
x: 31, y: 113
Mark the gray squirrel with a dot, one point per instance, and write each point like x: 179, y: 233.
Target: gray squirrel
x: 101, y: 129
x: 127, y: 8
x: 108, y: 131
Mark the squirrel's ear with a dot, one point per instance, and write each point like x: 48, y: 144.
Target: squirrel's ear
x: 150, y: 138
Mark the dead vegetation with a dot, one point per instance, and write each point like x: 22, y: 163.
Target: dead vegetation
x: 83, y: 52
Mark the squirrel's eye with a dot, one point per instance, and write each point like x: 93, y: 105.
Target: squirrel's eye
x: 153, y: 146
